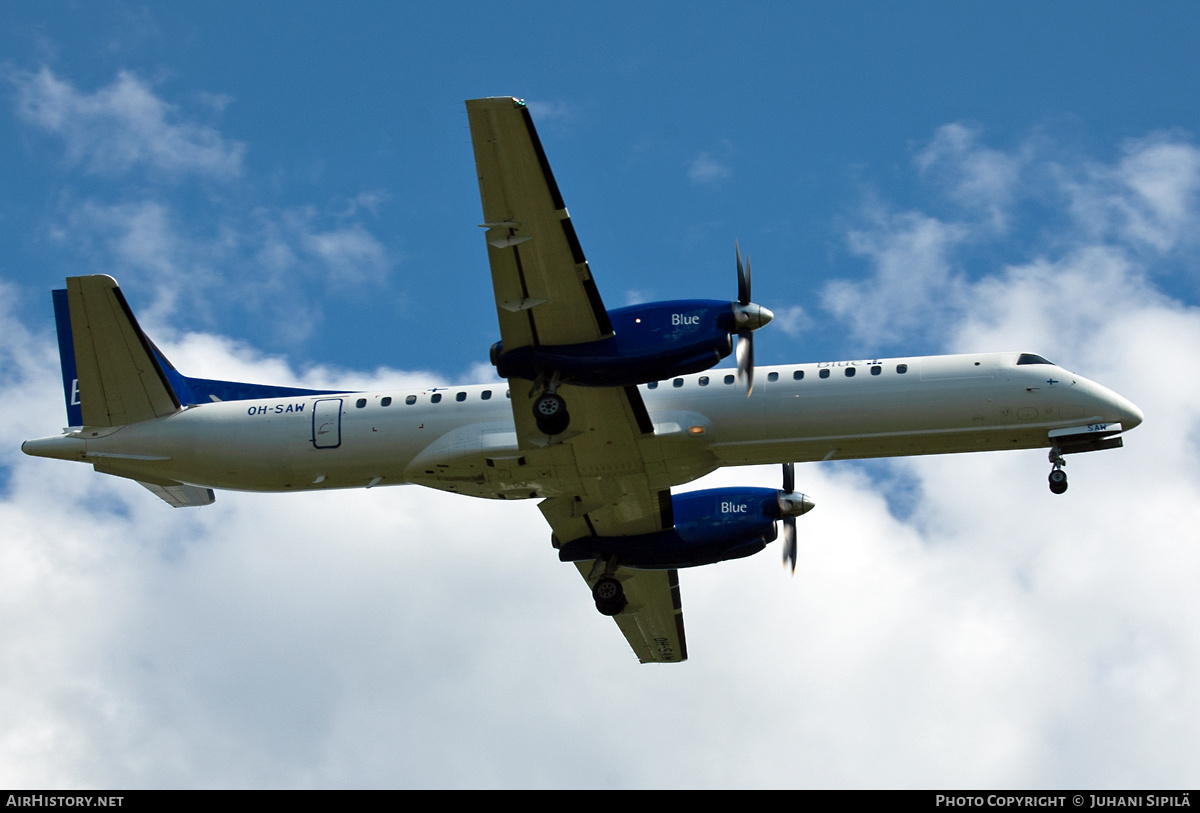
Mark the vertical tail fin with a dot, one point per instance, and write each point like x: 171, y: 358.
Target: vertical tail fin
x: 111, y: 372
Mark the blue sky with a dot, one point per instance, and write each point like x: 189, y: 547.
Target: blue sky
x: 286, y: 194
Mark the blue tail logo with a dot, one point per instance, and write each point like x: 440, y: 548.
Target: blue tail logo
x: 66, y: 355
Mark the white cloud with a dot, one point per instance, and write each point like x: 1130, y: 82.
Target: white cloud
x: 996, y: 636
x: 793, y: 320
x: 122, y: 126
x: 251, y: 263
x: 976, y: 177
x: 1148, y: 199
x: 1136, y: 211
x: 913, y: 277
x: 395, y: 636
x: 351, y: 254
x: 707, y: 169
x: 547, y: 111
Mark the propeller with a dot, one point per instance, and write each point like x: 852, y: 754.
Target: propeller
x: 791, y: 505
x: 749, y: 318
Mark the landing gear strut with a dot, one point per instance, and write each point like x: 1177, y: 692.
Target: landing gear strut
x: 550, y: 410
x: 1058, y: 477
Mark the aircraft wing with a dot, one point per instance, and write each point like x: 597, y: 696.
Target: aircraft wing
x: 535, y: 256
x: 598, y: 473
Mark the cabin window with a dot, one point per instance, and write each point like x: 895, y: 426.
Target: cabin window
x: 653, y: 385
x: 902, y: 368
x: 772, y: 376
x: 728, y: 379
x: 360, y: 403
x: 486, y: 395
x: 410, y: 400
x: 1032, y: 358
x: 436, y: 398
x: 850, y: 371
x: 703, y: 381
x: 824, y: 373
x: 677, y: 383
x: 876, y: 369
x: 462, y: 396
x: 386, y: 401
x: 798, y: 375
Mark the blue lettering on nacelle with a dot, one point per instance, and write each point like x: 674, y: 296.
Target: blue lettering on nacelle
x: 710, y: 526
x: 648, y: 342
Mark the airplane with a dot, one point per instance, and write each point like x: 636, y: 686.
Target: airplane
x: 605, y: 412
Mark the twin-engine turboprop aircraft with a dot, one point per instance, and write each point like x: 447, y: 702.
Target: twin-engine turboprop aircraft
x: 604, y: 413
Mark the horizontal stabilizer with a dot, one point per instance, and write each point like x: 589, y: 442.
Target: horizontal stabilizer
x: 181, y: 496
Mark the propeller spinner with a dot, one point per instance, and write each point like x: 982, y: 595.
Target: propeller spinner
x: 791, y: 505
x: 749, y: 318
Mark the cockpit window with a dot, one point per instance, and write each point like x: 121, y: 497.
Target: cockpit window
x: 1032, y: 358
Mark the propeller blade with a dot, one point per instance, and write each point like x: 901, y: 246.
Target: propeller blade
x: 789, y: 519
x: 747, y: 302
x: 789, y: 543
x: 748, y: 318
x: 745, y: 360
x: 743, y: 277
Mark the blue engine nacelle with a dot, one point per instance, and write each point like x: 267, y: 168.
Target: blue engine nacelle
x: 710, y: 526
x: 650, y: 342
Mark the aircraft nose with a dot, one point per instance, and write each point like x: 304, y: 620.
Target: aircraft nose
x: 1131, y: 416
x: 1121, y: 409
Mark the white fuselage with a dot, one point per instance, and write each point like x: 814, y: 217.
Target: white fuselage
x: 459, y: 439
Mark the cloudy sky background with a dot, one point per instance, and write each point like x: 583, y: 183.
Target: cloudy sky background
x: 286, y: 194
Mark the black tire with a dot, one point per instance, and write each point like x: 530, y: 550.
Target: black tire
x: 550, y: 413
x: 1058, y: 481
x: 609, y: 596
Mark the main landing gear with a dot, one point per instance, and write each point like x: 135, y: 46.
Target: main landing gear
x: 1058, y: 477
x: 609, y: 596
x: 550, y: 413
x: 549, y: 409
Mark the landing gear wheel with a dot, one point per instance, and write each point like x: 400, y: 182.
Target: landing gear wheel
x: 1058, y: 481
x: 550, y: 413
x: 609, y: 595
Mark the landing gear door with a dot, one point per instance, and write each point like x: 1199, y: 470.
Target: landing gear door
x: 327, y: 423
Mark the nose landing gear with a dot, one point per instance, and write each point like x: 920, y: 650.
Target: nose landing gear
x: 1058, y: 477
